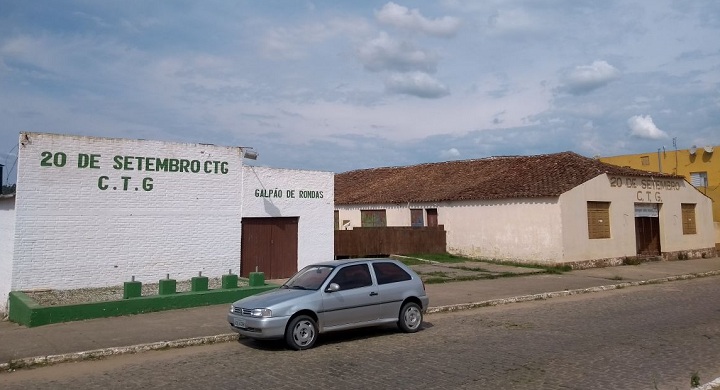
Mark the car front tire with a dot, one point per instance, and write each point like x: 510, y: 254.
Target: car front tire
x: 301, y: 333
x: 410, y: 317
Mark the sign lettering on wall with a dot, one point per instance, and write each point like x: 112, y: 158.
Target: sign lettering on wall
x: 646, y: 210
x: 278, y: 193
x: 133, y: 163
x: 648, y: 190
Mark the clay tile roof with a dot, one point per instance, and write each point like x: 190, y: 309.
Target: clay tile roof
x: 547, y: 175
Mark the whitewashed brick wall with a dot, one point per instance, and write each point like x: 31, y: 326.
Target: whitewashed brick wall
x: 88, y: 227
x: 309, y: 195
x: 7, y: 235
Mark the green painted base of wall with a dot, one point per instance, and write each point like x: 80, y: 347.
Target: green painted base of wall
x: 24, y: 311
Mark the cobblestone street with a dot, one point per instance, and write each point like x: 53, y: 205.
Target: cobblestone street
x: 646, y: 337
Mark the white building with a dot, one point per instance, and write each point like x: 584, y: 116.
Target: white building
x: 93, y: 212
x: 552, y: 209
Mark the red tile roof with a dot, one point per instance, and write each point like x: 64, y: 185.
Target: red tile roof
x: 547, y: 175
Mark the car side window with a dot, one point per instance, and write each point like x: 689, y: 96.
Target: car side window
x: 390, y: 273
x: 353, y: 276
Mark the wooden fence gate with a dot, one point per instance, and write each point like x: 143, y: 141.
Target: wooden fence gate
x: 396, y: 240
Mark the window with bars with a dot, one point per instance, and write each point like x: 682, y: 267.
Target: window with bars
x: 598, y: 214
x: 373, y: 218
x: 645, y: 160
x: 688, y: 218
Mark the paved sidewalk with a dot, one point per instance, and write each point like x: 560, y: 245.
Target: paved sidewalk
x: 23, y: 347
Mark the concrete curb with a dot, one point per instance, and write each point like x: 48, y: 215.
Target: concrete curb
x: 709, y: 386
x: 222, y: 338
x: 564, y: 293
x: 104, y: 352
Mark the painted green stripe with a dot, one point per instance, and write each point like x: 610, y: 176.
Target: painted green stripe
x: 23, y: 310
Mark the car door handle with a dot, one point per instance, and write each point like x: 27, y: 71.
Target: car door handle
x: 372, y: 294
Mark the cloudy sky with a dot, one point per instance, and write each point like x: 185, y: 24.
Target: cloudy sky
x: 342, y: 85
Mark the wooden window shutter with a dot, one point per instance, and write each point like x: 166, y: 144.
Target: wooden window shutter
x: 688, y: 218
x: 598, y: 214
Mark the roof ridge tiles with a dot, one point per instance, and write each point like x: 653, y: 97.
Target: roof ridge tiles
x: 497, y: 177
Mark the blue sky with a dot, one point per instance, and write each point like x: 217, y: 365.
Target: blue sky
x: 343, y: 85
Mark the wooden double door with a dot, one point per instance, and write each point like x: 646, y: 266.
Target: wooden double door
x: 647, y: 236
x: 269, y: 245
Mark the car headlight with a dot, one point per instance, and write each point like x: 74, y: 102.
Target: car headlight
x: 232, y: 308
x: 261, y: 313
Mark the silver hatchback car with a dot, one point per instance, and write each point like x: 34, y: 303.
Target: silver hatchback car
x: 331, y: 296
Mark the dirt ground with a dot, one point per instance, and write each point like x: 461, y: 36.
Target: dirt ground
x: 468, y: 270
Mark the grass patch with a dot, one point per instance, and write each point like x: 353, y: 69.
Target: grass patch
x: 438, y: 274
x: 549, y: 269
x: 478, y: 269
x: 449, y: 258
x: 436, y: 280
x: 442, y: 277
x: 442, y: 258
x: 480, y: 273
x: 409, y: 261
x: 632, y: 260
x: 694, y: 379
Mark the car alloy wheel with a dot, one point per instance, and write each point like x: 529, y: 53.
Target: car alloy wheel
x: 410, y: 317
x: 301, y: 333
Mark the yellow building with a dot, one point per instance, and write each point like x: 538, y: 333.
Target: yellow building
x: 699, y: 165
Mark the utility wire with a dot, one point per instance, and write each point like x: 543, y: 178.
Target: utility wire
x: 7, y: 176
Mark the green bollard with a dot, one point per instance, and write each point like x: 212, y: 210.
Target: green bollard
x: 229, y: 281
x: 199, y: 283
x: 167, y: 286
x: 256, y: 279
x: 132, y: 289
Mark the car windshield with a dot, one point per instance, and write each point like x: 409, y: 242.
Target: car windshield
x: 309, y: 278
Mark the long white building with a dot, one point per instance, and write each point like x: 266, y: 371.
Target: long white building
x: 553, y: 209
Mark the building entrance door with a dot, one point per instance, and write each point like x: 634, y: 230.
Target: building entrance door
x: 647, y: 229
x: 269, y: 245
x: 432, y: 217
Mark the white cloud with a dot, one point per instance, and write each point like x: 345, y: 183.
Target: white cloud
x: 220, y: 74
x: 512, y: 22
x: 411, y: 19
x: 385, y: 53
x: 139, y: 25
x: 586, y: 78
x: 450, y: 153
x: 642, y: 126
x: 417, y: 84
x: 295, y: 42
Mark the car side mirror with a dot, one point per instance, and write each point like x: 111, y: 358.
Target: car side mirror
x: 333, y: 287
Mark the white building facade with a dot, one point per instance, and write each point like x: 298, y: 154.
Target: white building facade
x: 93, y: 212
x: 600, y: 217
x: 7, y: 234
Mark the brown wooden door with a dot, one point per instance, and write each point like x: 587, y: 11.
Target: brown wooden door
x: 432, y: 217
x: 270, y: 246
x: 647, y: 236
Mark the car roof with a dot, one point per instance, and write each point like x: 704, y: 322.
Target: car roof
x: 335, y: 263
